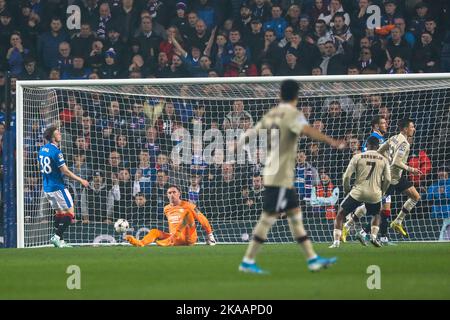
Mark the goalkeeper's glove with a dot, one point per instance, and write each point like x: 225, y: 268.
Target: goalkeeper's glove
x: 210, y: 240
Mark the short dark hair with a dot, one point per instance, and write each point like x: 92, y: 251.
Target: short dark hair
x: 404, y: 123
x: 376, y: 120
x: 289, y: 90
x: 174, y: 186
x: 48, y: 133
x: 373, y: 143
x: 139, y: 194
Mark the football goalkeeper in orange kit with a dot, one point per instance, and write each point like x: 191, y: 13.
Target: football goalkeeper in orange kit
x: 182, y: 229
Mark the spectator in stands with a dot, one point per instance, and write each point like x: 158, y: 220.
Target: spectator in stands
x: 425, y: 55
x: 31, y: 71
x: 287, y: 37
x: 353, y: 70
x: 359, y: 18
x: 277, y: 22
x: 147, y: 39
x: 81, y: 42
x: 390, y: 13
x: 293, y: 15
x: 255, y: 38
x: 407, y: 35
x: 318, y: 9
x: 333, y: 62
x: 103, y: 22
x: 138, y: 119
x: 261, y: 10
x: 7, y: 28
x: 201, y: 36
x: 115, y: 43
x: 125, y: 192
x: 123, y: 147
x: 398, y: 47
x: 167, y: 46
x: 158, y: 193
x: 335, y: 7
x: 334, y: 118
x: 340, y: 32
x: 162, y: 163
x: 16, y: 54
x: 320, y: 31
x: 439, y: 193
x: 151, y: 143
x: 189, y: 29
x: 97, y: 201
x: 158, y: 11
x: 65, y: 61
x: 145, y: 173
x: 48, y: 44
x: 419, y: 159
x: 128, y: 16
x: 90, y: 12
x: 224, y: 184
x: 110, y: 69
x: 113, y: 165
x: 81, y: 168
x: 253, y: 199
x: 166, y: 125
x: 325, y: 196
x: 417, y: 24
x: 366, y: 60
x: 271, y: 52
x: 305, y: 27
x: 291, y: 66
x: 240, y: 65
x: 354, y: 145
x: 78, y: 70
x: 431, y: 27
x: 140, y: 211
x: 206, y: 12
x: 398, y: 65
x: 194, y: 189
x: 306, y: 176
x: 96, y: 57
x: 233, y: 118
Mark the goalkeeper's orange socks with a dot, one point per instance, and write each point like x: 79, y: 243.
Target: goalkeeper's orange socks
x: 151, y: 237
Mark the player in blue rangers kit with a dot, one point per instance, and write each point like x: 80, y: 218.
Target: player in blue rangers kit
x: 379, y: 129
x: 53, y: 169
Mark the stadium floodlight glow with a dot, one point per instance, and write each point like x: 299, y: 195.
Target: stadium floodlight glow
x: 228, y: 193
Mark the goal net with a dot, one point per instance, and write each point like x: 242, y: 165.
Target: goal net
x: 133, y: 138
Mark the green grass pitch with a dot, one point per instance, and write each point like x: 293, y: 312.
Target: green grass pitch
x: 408, y: 271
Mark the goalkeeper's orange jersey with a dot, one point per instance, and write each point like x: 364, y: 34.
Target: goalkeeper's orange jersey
x: 182, y: 221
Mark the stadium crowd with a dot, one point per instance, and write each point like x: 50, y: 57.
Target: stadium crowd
x: 122, y: 144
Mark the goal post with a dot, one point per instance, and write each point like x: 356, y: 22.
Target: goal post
x: 133, y: 137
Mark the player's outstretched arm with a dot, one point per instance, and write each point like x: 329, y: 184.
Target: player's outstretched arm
x: 319, y: 136
x: 66, y: 171
x: 386, y: 177
x: 347, y: 176
x: 200, y: 217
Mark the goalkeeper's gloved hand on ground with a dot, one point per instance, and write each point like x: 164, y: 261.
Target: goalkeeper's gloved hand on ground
x: 210, y: 240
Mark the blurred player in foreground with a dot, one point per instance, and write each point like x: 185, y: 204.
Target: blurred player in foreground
x: 280, y: 195
x: 181, y: 216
